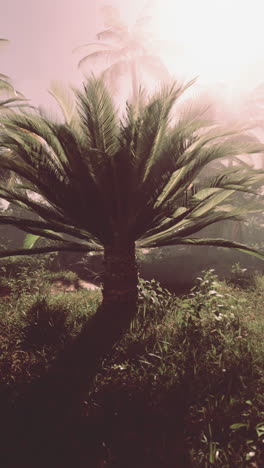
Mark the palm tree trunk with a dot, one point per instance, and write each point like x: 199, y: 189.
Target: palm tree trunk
x: 113, y: 317
x: 120, y: 279
x: 118, y: 307
x: 83, y: 359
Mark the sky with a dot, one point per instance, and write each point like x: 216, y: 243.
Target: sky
x: 220, y: 41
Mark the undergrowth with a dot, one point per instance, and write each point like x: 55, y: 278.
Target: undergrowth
x: 192, y: 374
x: 184, y: 387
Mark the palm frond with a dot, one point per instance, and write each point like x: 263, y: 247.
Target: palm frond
x: 112, y: 35
x: 153, y: 126
x: 29, y: 225
x: 193, y: 161
x: 16, y: 101
x: 5, y: 84
x: 92, y: 181
x: 65, y: 99
x: 92, y: 47
x: 217, y: 242
x: 206, y: 205
x: 67, y: 179
x: 108, y: 56
x: 34, y: 236
x: 98, y: 116
x: 42, y: 209
x: 191, y: 224
x: 43, y: 250
x: 34, y: 129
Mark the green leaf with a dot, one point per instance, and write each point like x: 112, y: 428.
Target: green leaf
x: 260, y: 429
x: 100, y: 181
x: 237, y: 426
x: 171, y: 185
x: 212, y: 197
x: 43, y: 250
x: 30, y: 240
x: 202, y: 242
x: 65, y: 99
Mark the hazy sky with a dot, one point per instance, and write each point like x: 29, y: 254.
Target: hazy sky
x: 222, y: 41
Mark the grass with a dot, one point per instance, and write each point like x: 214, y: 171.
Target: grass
x: 35, y: 325
x: 184, y: 387
x: 200, y: 373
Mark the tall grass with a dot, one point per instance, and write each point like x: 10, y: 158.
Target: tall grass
x: 194, y: 380
x: 35, y: 325
x: 184, y: 387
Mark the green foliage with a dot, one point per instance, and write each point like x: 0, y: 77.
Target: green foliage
x: 259, y: 283
x: 240, y: 277
x: 66, y: 277
x: 34, y: 325
x: 201, y: 368
x: 14, y: 266
x: 122, y: 180
x: 188, y: 374
x: 153, y: 302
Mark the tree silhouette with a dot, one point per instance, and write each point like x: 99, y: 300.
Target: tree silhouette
x: 124, y: 52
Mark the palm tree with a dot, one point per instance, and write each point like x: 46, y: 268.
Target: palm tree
x: 102, y: 185
x: 125, y: 52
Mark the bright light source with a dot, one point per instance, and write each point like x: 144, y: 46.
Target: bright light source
x: 218, y: 40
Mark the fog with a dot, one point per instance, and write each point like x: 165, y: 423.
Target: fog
x: 221, y: 43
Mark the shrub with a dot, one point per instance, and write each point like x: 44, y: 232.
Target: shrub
x: 241, y: 277
x: 195, y: 379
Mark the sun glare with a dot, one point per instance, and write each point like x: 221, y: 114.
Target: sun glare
x: 221, y: 41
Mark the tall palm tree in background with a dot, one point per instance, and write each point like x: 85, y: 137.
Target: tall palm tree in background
x: 121, y: 51
x: 99, y: 184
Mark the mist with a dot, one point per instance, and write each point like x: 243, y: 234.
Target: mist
x: 131, y: 233
x: 219, y: 42
x: 220, y: 45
